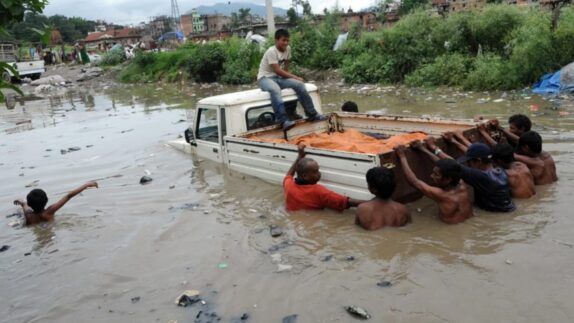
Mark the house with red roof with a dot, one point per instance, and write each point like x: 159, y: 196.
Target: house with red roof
x: 103, y: 40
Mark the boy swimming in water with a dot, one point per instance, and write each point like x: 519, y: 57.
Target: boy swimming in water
x: 34, y: 206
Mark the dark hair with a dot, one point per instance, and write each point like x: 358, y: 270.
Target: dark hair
x: 281, y: 33
x: 521, y: 122
x: 350, y: 106
x: 37, y: 200
x: 503, y: 153
x: 531, y: 139
x: 382, y: 180
x: 451, y: 169
x: 301, y: 167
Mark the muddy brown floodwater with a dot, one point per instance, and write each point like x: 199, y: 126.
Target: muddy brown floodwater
x: 199, y: 226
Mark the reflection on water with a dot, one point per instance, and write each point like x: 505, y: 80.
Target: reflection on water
x: 153, y: 241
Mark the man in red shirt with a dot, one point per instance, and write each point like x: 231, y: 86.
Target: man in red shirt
x: 303, y: 192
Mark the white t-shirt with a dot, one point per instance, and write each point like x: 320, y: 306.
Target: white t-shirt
x: 273, y: 56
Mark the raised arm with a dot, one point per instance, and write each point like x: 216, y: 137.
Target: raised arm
x: 56, y: 206
x: 509, y: 135
x: 449, y: 137
x: 21, y: 203
x: 301, y: 151
x: 430, y: 191
x: 484, y: 133
x: 460, y: 137
x: 432, y: 149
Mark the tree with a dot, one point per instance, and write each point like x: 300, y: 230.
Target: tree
x: 292, y: 16
x: 244, y: 15
x: 13, y: 11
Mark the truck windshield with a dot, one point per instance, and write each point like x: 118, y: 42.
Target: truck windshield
x: 207, y: 128
x: 259, y: 117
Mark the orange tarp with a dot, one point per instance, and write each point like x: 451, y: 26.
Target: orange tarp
x: 350, y: 140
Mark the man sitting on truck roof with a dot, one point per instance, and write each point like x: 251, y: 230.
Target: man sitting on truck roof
x: 274, y: 76
x: 381, y: 211
x: 303, y: 192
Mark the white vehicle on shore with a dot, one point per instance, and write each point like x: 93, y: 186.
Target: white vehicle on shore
x: 224, y: 128
x: 25, y: 68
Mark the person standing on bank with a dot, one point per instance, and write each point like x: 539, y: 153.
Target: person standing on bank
x: 274, y: 76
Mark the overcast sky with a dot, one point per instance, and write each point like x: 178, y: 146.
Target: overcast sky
x: 135, y: 11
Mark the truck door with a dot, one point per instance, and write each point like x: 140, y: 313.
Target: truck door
x: 208, y: 134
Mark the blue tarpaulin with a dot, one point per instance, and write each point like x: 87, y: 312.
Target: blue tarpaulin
x: 549, y: 84
x: 171, y: 35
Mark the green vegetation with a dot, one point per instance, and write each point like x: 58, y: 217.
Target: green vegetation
x: 232, y: 61
x: 499, y: 47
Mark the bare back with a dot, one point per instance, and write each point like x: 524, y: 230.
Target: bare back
x: 38, y: 217
x: 378, y: 213
x: 454, y: 205
x: 521, y: 180
x: 544, y: 172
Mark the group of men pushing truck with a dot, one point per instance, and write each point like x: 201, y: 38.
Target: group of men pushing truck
x: 497, y: 172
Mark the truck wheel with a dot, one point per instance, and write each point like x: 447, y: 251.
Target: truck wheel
x: 35, y: 76
x: 6, y: 77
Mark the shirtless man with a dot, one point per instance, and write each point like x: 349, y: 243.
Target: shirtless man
x: 539, y: 162
x: 381, y: 211
x: 450, y: 193
x: 34, y: 206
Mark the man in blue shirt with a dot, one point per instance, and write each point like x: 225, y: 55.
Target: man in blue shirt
x: 490, y: 184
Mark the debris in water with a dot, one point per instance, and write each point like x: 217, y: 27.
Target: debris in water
x: 358, y: 312
x: 384, y: 283
x: 222, y: 265
x: 276, y: 257
x: 283, y: 268
x: 74, y: 149
x: 145, y: 180
x: 4, y: 248
x: 498, y: 100
x: 244, y: 317
x: 327, y: 258
x: 290, y: 319
x: 283, y: 244
x: 508, y: 262
x: 189, y: 297
x: 534, y: 107
x: 135, y: 299
x: 63, y: 151
x: 350, y: 258
x: 172, y: 187
x: 33, y: 184
x: 27, y: 254
x: 275, y: 231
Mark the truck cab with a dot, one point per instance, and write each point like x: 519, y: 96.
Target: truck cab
x: 32, y: 68
x: 234, y: 113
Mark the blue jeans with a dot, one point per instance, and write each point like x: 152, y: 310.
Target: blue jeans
x: 275, y: 84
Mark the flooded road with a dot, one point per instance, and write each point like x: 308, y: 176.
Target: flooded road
x: 199, y: 226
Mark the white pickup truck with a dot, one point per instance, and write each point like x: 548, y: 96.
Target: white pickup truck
x: 30, y: 68
x: 224, y: 126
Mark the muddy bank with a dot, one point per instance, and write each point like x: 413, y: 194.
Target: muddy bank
x: 126, y: 251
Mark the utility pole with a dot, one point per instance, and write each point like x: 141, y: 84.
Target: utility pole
x: 175, y: 17
x: 270, y: 17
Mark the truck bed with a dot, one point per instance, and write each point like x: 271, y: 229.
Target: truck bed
x: 343, y: 172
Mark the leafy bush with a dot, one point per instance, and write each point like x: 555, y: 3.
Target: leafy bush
x: 491, y: 72
x: 241, y: 63
x: 449, y: 69
x: 113, y: 57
